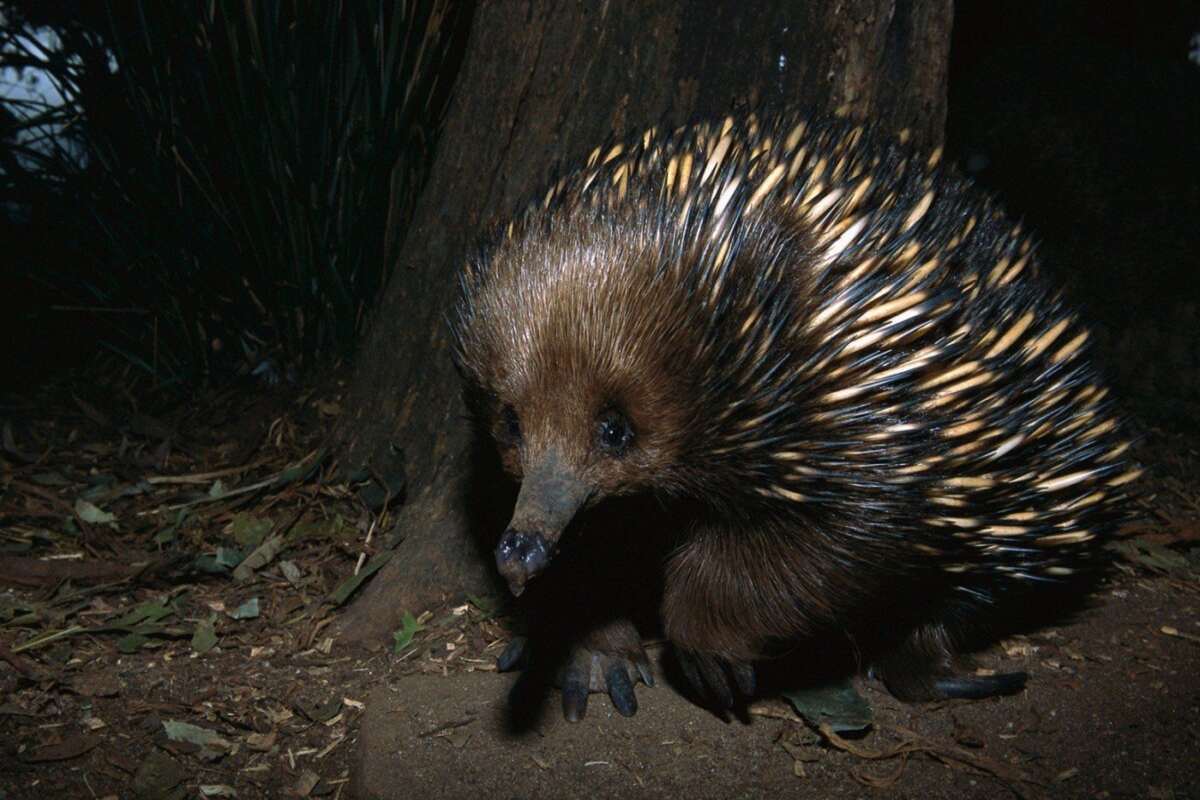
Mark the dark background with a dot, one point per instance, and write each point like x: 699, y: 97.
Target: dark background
x: 1084, y: 118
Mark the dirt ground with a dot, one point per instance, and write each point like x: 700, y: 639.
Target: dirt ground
x: 167, y: 581
x: 1112, y: 710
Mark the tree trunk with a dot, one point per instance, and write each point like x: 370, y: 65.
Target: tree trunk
x: 541, y: 84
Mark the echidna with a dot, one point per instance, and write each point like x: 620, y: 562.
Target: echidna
x: 832, y: 364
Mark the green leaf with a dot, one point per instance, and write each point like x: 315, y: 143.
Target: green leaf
x: 838, y: 704
x: 291, y: 572
x: 347, y: 587
x: 264, y: 554
x: 93, y: 515
x: 485, y: 604
x: 247, y: 610
x: 249, y: 530
x: 148, y: 612
x: 132, y: 642
x: 403, y: 637
x: 301, y: 471
x: 203, y: 737
x: 205, y: 637
x: 50, y: 479
x: 170, y: 533
x: 226, y: 558
x: 309, y: 529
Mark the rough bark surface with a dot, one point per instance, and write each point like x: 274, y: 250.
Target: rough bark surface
x: 541, y: 84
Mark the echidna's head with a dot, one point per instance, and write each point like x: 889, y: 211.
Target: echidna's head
x: 571, y: 352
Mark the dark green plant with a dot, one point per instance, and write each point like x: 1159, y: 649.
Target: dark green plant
x: 248, y: 171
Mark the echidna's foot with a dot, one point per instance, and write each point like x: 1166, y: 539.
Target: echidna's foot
x: 515, y: 656
x: 589, y: 670
x: 715, y: 679
x: 926, y: 665
x: 915, y: 674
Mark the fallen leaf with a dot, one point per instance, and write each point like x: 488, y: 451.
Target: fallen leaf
x: 247, y: 610
x: 92, y: 515
x: 837, y: 704
x: 403, y: 637
x: 205, y: 636
x: 71, y: 747
x: 158, y: 775
x: 193, y: 734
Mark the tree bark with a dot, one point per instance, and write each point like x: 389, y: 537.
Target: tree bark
x: 541, y: 84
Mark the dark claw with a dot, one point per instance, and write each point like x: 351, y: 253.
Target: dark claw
x: 645, y: 672
x: 743, y: 673
x: 575, y: 690
x: 586, y: 671
x: 718, y: 682
x: 575, y: 680
x: 688, y: 664
x: 975, y: 687
x: 515, y: 655
x: 620, y: 689
x: 710, y: 678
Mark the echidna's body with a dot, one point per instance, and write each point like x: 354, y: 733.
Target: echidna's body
x: 834, y: 359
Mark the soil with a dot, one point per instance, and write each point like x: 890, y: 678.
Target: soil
x: 135, y: 661
x: 1111, y: 711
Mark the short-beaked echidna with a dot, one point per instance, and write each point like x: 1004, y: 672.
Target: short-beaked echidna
x: 833, y: 365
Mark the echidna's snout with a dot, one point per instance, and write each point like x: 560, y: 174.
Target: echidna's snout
x: 521, y: 555
x: 551, y: 493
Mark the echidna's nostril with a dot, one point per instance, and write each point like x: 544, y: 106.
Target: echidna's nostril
x: 521, y: 555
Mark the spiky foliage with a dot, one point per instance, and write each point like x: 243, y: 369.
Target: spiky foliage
x: 837, y: 346
x: 246, y: 169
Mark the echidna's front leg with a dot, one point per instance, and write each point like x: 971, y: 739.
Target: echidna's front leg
x: 609, y: 660
x: 713, y: 624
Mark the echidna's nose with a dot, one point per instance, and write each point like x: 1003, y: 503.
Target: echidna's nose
x: 520, y: 556
x: 551, y: 493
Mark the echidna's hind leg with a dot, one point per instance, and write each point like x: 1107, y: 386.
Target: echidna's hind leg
x: 927, y: 666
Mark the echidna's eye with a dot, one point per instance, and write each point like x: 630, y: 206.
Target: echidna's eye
x: 511, y: 423
x: 614, y: 432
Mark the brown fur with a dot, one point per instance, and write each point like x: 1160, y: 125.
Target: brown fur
x: 557, y: 388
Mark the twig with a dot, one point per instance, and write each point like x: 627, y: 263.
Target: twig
x: 446, y: 726
x: 46, y: 638
x: 205, y: 477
